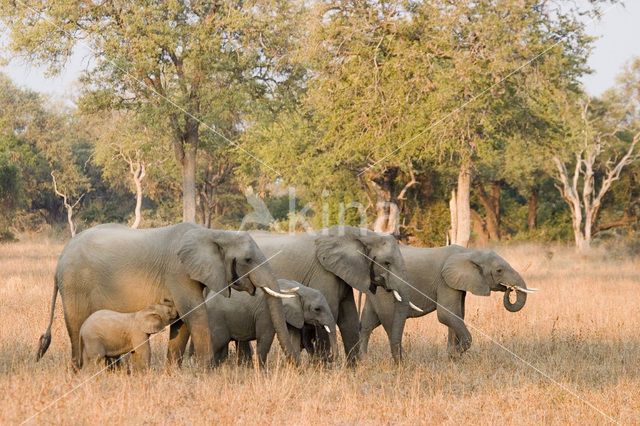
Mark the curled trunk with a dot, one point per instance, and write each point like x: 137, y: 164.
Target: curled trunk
x: 520, y: 300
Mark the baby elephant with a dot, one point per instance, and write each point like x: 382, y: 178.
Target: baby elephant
x: 107, y: 334
x: 243, y: 318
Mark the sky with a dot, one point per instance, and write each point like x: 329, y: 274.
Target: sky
x: 619, y: 32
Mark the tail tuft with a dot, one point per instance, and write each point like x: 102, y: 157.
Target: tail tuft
x: 45, y: 341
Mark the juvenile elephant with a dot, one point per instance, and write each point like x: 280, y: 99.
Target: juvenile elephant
x: 440, y: 279
x: 114, y: 267
x: 244, y: 318
x: 110, y: 334
x: 336, y: 260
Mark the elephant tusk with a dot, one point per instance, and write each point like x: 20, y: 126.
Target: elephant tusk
x: 326, y: 327
x: 525, y: 290
x: 397, y: 296
x: 415, y: 308
x: 276, y: 294
x: 291, y: 290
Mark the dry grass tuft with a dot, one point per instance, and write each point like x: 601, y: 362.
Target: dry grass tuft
x: 581, y: 330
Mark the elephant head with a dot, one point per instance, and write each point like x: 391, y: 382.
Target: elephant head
x: 154, y: 318
x: 482, y: 271
x: 309, y: 307
x: 368, y: 260
x: 222, y: 260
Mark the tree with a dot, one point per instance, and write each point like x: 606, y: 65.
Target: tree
x: 605, y: 137
x: 126, y: 146
x: 185, y: 63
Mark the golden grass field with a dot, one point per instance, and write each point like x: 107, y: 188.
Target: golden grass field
x: 582, y: 330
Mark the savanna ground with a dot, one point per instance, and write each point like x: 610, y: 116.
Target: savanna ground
x: 581, y: 329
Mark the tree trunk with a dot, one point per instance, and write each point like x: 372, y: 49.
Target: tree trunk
x: 189, y: 180
x: 461, y: 208
x: 138, y: 174
x: 491, y: 204
x: 386, y: 206
x: 532, y: 210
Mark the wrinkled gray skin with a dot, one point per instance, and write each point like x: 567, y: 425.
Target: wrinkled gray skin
x: 244, y: 318
x: 332, y: 261
x: 122, y: 269
x: 445, y: 275
x: 107, y: 334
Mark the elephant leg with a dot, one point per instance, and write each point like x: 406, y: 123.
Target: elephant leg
x: 368, y: 323
x: 451, y: 313
x: 221, y: 355
x: 220, y: 345
x: 178, y: 337
x: 349, y: 327
x: 142, y: 355
x: 187, y: 296
x: 244, y: 353
x: 263, y: 345
x: 296, y: 339
x: 75, y: 313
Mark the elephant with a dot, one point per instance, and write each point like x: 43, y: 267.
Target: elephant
x: 114, y: 267
x: 107, y: 334
x: 439, y: 280
x: 244, y: 318
x: 335, y: 261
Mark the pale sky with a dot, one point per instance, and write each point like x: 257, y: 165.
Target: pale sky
x: 619, y: 32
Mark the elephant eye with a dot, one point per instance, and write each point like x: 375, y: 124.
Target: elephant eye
x: 248, y: 260
x: 499, y: 270
x: 317, y: 309
x: 387, y: 264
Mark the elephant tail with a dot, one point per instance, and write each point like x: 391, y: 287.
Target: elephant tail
x: 80, y: 349
x: 45, y: 339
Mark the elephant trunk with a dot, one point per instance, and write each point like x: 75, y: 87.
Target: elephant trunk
x: 521, y: 296
x: 400, y: 312
x: 263, y: 277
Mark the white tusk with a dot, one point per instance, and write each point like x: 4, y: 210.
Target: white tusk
x: 415, y: 308
x: 291, y: 290
x: 326, y: 327
x: 525, y: 290
x: 276, y: 294
x: 397, y: 296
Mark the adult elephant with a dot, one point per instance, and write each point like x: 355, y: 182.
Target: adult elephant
x: 335, y: 261
x: 440, y: 279
x: 122, y: 269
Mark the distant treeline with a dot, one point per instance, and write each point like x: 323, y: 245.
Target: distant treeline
x: 435, y: 121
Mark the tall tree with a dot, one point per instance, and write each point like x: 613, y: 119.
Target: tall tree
x: 605, y: 134
x: 169, y: 57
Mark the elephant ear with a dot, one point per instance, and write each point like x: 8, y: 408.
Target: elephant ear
x: 293, y: 312
x: 203, y: 259
x: 343, y: 256
x: 462, y: 272
x: 151, y: 322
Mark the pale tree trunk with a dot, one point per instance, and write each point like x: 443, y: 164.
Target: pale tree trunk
x: 138, y: 173
x: 460, y: 208
x: 67, y: 206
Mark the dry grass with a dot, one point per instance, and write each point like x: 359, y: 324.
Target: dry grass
x: 581, y: 330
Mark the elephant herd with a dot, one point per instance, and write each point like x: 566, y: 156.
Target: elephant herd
x: 307, y: 283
